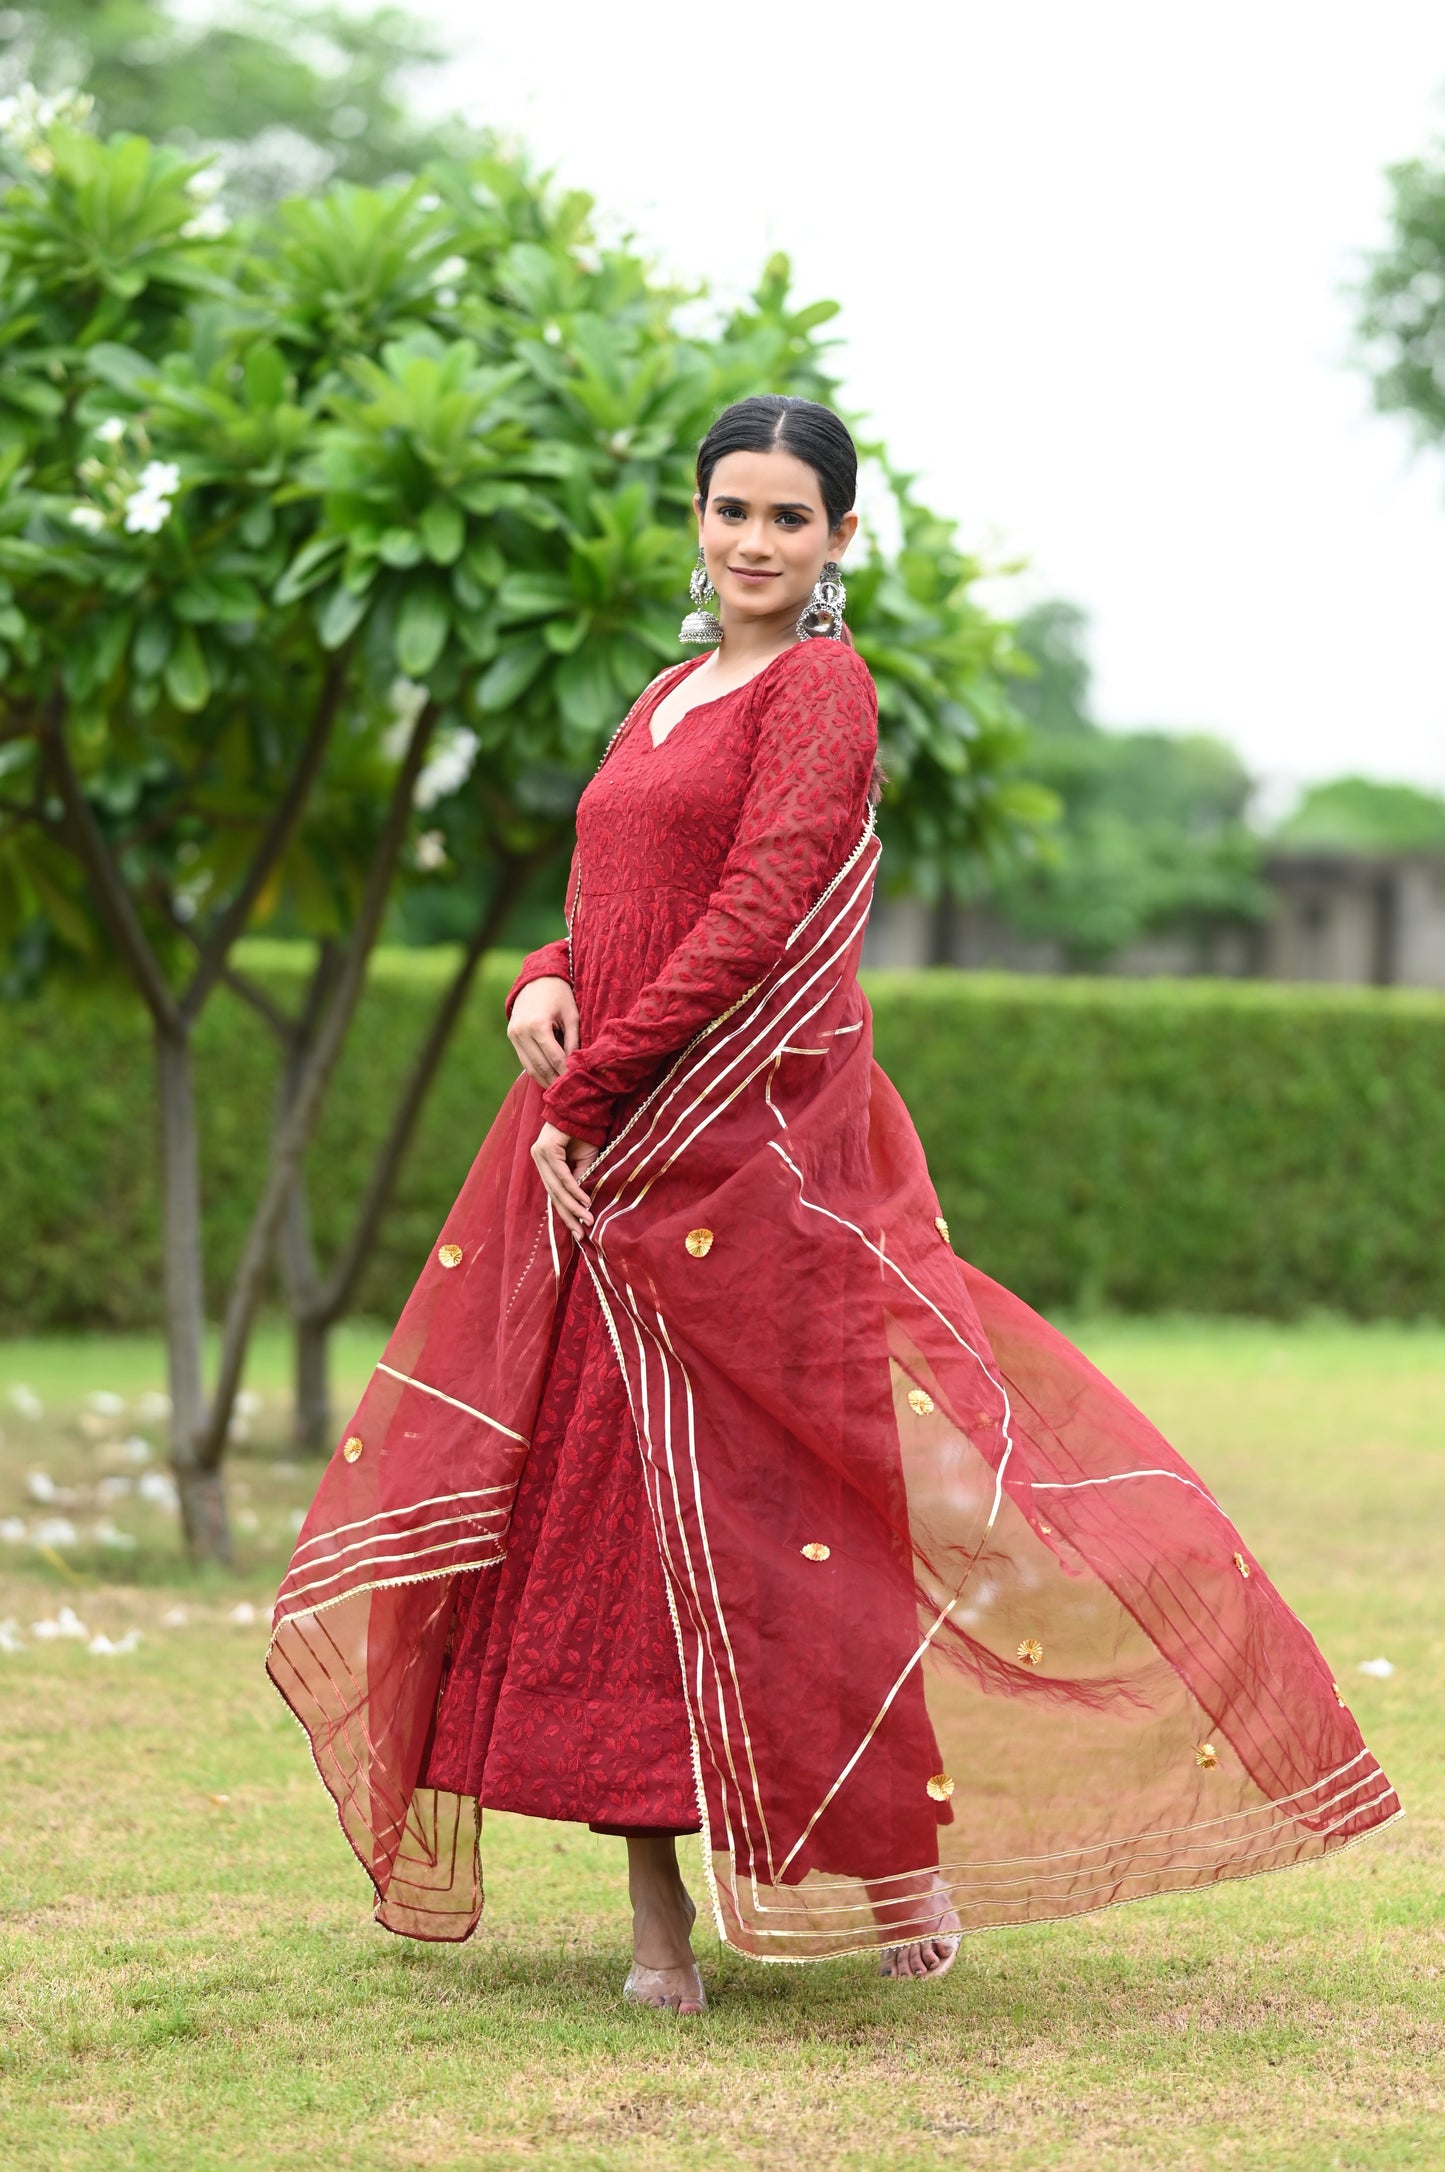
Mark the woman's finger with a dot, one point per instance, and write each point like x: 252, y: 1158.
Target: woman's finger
x: 566, y: 1214
x: 539, y: 1053
x: 550, y: 1154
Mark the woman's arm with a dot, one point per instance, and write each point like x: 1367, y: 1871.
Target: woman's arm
x: 803, y: 812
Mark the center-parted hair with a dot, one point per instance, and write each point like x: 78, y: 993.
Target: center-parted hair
x: 774, y: 422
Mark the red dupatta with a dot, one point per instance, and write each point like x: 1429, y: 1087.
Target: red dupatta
x: 957, y: 1630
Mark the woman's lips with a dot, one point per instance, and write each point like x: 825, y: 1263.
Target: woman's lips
x: 742, y: 573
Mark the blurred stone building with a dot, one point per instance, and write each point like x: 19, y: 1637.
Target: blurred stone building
x: 1337, y: 916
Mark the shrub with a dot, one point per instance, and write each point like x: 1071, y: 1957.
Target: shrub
x: 1152, y: 1145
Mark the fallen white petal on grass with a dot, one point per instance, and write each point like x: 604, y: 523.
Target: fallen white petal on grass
x: 248, y: 1402
x: 243, y: 1613
x: 247, y: 1520
x: 105, y: 1533
x: 174, y: 1617
x: 12, y: 1530
x: 159, y: 1488
x: 67, y: 1623
x: 104, y: 1404
x: 1380, y: 1669
x: 10, y: 1637
x: 136, y: 1450
x: 40, y: 1486
x: 114, y: 1489
x: 26, y: 1401
x: 54, y: 1531
x: 105, y: 1647
x: 152, y: 1406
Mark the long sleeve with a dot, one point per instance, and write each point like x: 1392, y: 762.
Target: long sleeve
x: 553, y: 960
x: 803, y: 811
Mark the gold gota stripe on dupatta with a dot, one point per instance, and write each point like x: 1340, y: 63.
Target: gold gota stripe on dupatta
x: 422, y: 1388
x: 1114, y: 1478
x: 435, y: 1500
x: 413, y: 1531
x: 416, y: 1553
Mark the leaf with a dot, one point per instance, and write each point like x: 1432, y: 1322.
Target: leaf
x: 340, y: 614
x: 400, y: 547
x: 422, y: 626
x: 307, y: 569
x: 188, y: 682
x: 511, y: 674
x: 585, y: 691
x: 535, y: 595
x: 152, y: 645
x: 443, y: 531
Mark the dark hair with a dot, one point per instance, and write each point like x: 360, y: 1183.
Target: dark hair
x: 771, y: 421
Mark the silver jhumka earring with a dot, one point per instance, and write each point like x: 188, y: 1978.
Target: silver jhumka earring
x: 700, y: 628
x: 821, y: 617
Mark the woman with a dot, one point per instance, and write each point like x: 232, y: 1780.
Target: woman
x: 702, y: 1487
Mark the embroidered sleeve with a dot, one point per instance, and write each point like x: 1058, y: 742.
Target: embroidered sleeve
x: 554, y: 959
x: 803, y: 811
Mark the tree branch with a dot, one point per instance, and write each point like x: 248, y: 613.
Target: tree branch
x: 233, y: 920
x: 285, y: 1028
x: 295, y: 1133
x: 88, y: 842
x: 331, y: 1299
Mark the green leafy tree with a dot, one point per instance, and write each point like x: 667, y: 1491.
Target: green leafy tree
x: 1361, y: 814
x: 1402, y: 313
x: 1153, y: 836
x: 335, y: 545
x: 293, y: 96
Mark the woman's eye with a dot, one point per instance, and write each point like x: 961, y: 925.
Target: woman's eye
x: 791, y: 520
x: 730, y: 512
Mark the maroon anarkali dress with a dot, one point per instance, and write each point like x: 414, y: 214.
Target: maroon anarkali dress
x: 758, y: 1510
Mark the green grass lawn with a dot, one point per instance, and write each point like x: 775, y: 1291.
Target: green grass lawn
x: 192, y: 1979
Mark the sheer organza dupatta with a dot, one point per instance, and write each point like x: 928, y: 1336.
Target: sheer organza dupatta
x: 963, y: 1641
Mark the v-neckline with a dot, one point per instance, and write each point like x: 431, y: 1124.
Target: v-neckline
x: 693, y: 665
x: 655, y: 746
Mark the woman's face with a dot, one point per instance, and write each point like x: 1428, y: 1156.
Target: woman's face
x: 765, y: 534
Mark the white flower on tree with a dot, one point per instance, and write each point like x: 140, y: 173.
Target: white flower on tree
x: 88, y: 517
x: 111, y: 431
x: 148, y: 507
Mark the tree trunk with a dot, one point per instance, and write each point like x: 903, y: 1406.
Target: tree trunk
x: 204, y: 1518
x: 203, y: 1504
x: 312, y: 1424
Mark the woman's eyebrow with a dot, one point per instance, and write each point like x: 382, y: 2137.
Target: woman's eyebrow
x: 783, y: 505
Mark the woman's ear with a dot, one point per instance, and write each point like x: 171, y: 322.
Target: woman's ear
x: 843, y: 535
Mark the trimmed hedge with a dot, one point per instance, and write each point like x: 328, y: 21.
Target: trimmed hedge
x: 1145, y: 1145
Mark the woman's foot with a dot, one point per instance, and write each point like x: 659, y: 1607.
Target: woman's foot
x: 925, y: 1957
x: 663, y: 1973
x: 929, y: 1957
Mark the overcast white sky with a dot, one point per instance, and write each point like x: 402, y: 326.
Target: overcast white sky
x: 1094, y: 262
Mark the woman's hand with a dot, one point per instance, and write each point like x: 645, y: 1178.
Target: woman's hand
x: 543, y: 1028
x: 563, y: 1162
